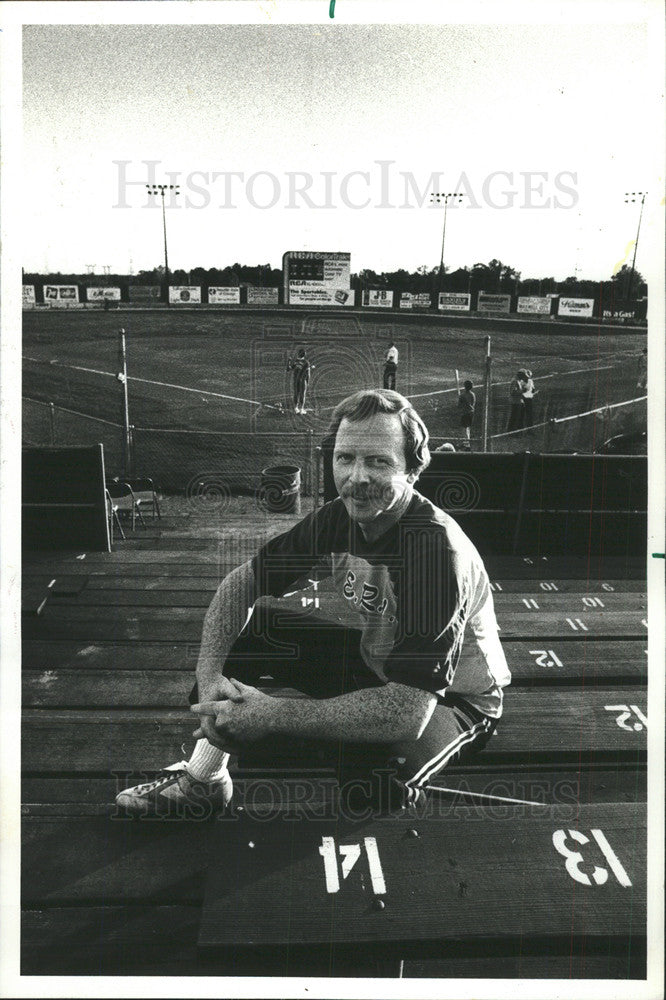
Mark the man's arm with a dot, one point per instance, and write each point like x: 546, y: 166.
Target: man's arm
x: 384, y: 714
x: 224, y: 621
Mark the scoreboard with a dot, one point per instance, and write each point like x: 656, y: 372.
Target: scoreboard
x: 317, y: 278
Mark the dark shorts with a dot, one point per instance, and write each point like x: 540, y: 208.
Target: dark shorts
x: 466, y: 419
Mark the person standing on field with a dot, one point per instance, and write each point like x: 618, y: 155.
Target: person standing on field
x: 516, y: 389
x: 300, y: 366
x: 390, y: 366
x: 466, y: 405
x: 529, y: 392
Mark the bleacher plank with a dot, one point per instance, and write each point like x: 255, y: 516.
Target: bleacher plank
x: 586, y: 661
x: 135, y: 595
x: 567, y: 567
x: 154, y: 624
x: 453, y: 877
x: 118, y: 577
x: 105, y: 863
x: 68, y: 654
x: 144, y: 674
x: 537, y: 724
x: 568, y: 784
x: 117, y: 570
x: 523, y: 585
x: 560, y: 625
x: 519, y: 567
x: 140, y: 940
x: 107, y: 860
x: 573, y: 603
x: 117, y: 624
x: 139, y: 598
x: 110, y: 940
x: 105, y: 688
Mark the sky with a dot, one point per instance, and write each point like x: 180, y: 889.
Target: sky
x: 542, y: 127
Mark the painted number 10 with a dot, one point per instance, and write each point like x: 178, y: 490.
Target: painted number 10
x: 574, y: 859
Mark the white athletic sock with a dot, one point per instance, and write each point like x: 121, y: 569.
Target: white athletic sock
x: 206, y: 761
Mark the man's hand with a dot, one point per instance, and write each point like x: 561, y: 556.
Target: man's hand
x: 242, y: 715
x: 215, y: 691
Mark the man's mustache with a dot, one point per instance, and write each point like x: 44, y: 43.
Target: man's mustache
x: 380, y: 493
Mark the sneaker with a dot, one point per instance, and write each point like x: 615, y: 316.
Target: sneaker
x: 176, y: 795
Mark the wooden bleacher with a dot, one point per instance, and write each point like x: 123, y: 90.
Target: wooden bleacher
x: 476, y: 888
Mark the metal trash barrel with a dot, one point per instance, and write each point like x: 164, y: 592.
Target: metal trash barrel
x: 281, y: 489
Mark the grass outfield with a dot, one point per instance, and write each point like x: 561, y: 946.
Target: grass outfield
x: 226, y: 372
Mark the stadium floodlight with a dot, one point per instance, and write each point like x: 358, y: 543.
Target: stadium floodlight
x: 437, y: 197
x: 161, y: 189
x: 630, y: 198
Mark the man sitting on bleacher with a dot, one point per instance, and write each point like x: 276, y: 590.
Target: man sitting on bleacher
x: 405, y: 703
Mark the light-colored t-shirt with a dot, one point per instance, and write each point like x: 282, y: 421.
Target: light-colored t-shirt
x: 392, y: 355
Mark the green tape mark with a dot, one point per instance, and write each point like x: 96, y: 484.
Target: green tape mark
x: 659, y: 555
x: 331, y: 9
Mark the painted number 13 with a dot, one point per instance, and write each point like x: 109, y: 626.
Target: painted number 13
x: 574, y: 859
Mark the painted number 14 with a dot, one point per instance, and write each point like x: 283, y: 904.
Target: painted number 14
x: 350, y: 853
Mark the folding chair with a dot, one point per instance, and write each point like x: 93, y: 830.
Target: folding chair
x: 112, y: 514
x: 144, y: 494
x: 124, y: 501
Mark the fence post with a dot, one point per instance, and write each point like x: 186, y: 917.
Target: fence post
x: 486, y: 406
x: 127, y: 443
x: 52, y: 415
x: 132, y: 462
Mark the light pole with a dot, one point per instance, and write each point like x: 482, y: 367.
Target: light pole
x: 161, y: 189
x: 630, y: 198
x: 437, y: 197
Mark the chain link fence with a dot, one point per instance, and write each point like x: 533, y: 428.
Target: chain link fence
x: 583, y: 433
x: 198, y: 463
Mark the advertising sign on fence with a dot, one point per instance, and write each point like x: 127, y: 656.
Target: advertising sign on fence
x: 493, y: 303
x: 458, y: 302
x: 622, y: 313
x: 144, y: 294
x: 262, y: 296
x: 99, y: 294
x: 218, y: 294
x: 415, y: 300
x: 184, y: 295
x: 61, y: 295
x: 534, y: 304
x: 28, y: 296
x: 575, y: 307
x: 381, y: 298
x: 317, y: 278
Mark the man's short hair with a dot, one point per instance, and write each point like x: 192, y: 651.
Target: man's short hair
x: 469, y: 385
x: 367, y: 403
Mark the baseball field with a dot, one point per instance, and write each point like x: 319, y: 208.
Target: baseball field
x: 209, y: 390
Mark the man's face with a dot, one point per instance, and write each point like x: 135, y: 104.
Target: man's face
x: 369, y: 466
